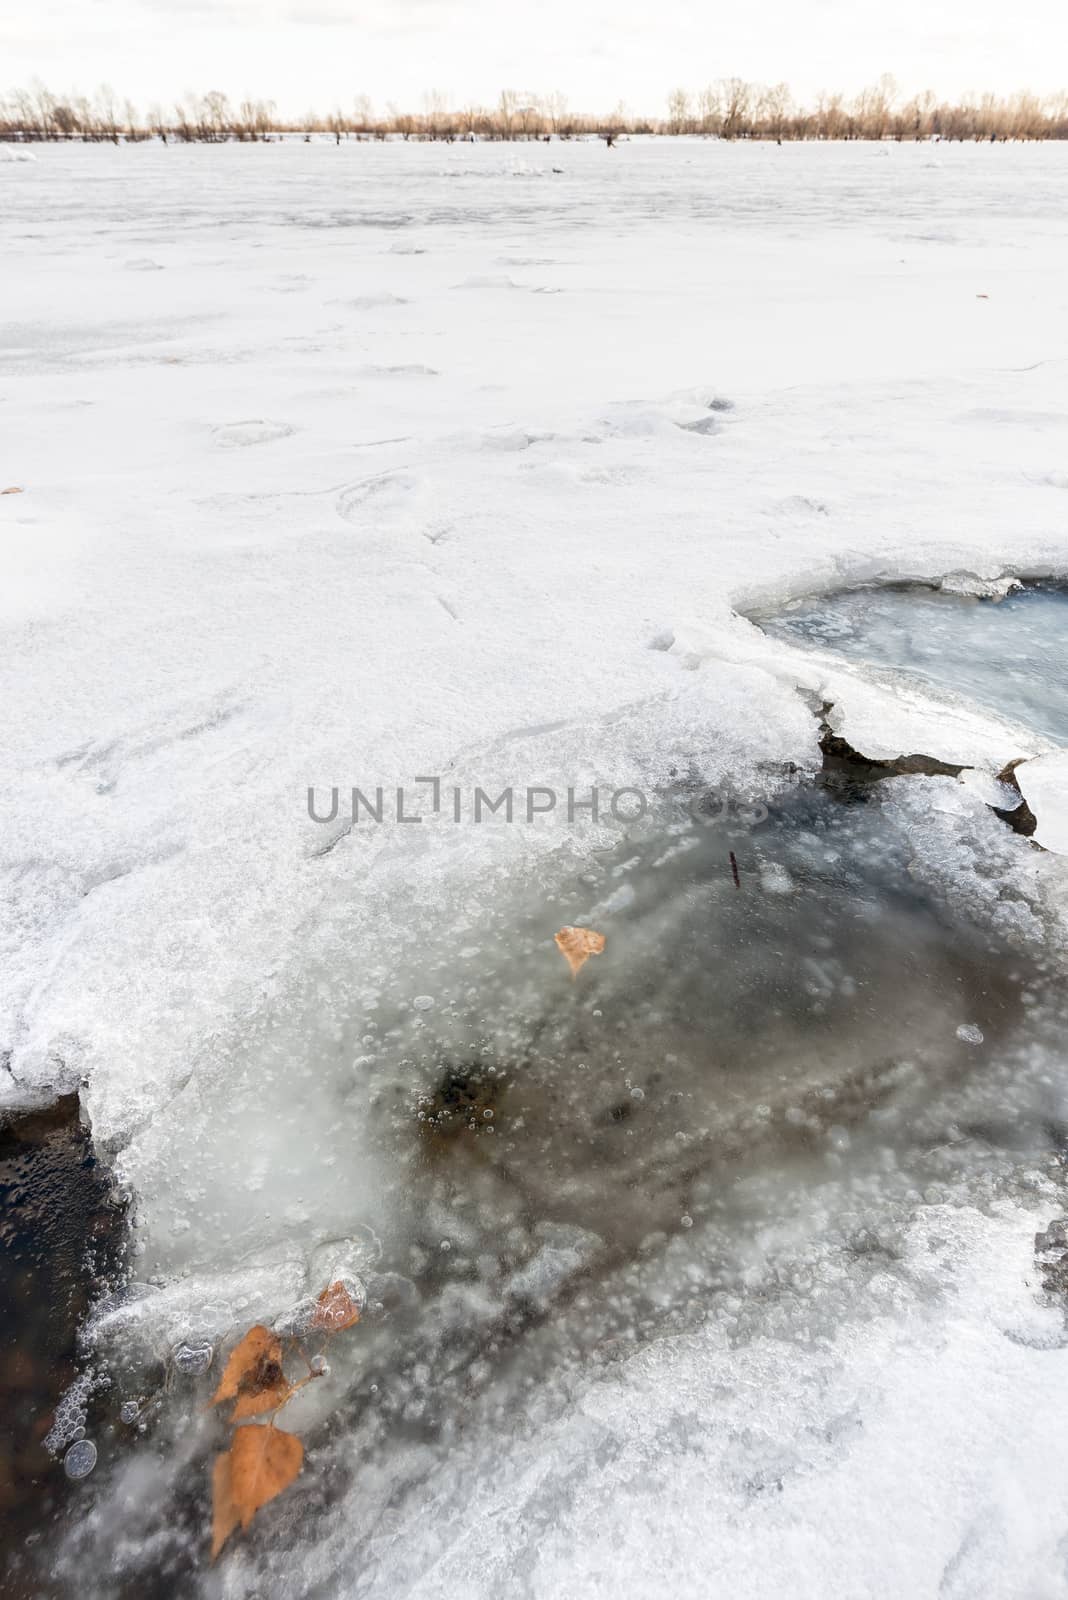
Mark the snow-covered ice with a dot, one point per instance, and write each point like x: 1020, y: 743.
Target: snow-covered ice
x: 357, y: 465
x: 370, y: 588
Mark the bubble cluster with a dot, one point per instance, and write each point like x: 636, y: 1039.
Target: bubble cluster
x: 69, y: 1419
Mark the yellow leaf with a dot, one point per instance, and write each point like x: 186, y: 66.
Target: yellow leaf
x: 577, y: 945
x: 260, y: 1463
x: 253, y: 1375
x: 335, y: 1309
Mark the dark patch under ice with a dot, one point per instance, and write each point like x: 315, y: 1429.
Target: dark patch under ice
x: 61, y: 1240
x: 1010, y: 655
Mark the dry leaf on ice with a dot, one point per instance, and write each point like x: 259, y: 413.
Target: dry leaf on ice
x: 577, y: 945
x: 13, y: 490
x: 261, y: 1462
x: 253, y: 1375
x: 335, y: 1309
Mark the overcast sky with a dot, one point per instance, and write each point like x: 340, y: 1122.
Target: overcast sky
x: 322, y: 53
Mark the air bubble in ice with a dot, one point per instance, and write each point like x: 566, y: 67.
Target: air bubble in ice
x: 129, y: 1410
x: 194, y: 1359
x: 686, y: 1222
x: 80, y: 1459
x: 423, y: 1002
x: 970, y: 1033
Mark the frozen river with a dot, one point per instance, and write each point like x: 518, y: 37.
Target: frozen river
x: 376, y: 465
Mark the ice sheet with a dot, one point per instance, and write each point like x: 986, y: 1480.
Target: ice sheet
x: 347, y: 465
x: 269, y: 536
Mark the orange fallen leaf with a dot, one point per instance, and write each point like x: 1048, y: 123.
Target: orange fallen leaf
x: 224, y: 1513
x: 254, y: 1402
x: 253, y: 1375
x: 335, y: 1309
x: 260, y: 1463
x: 577, y: 945
x: 982, y: 297
x: 13, y: 490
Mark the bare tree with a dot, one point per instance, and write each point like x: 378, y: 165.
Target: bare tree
x: 402, y: 122
x: 183, y: 125
x: 733, y: 108
x: 678, y: 111
x: 872, y: 108
x: 66, y: 121
x: 556, y: 110
x: 107, y: 113
x: 709, y: 112
x: 774, y: 110
x: 507, y: 106
x: 735, y: 96
x: 216, y: 120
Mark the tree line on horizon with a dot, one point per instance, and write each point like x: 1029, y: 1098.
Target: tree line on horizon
x: 729, y: 109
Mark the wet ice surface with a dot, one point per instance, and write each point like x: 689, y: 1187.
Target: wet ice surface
x: 1010, y: 655
x: 716, y: 1012
x: 727, y: 1122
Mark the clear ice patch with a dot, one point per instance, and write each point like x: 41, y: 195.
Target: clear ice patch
x: 1005, y: 648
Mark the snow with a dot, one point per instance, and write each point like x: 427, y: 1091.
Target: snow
x: 347, y: 465
x: 844, y: 1437
x: 909, y: 1451
x: 1044, y: 785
